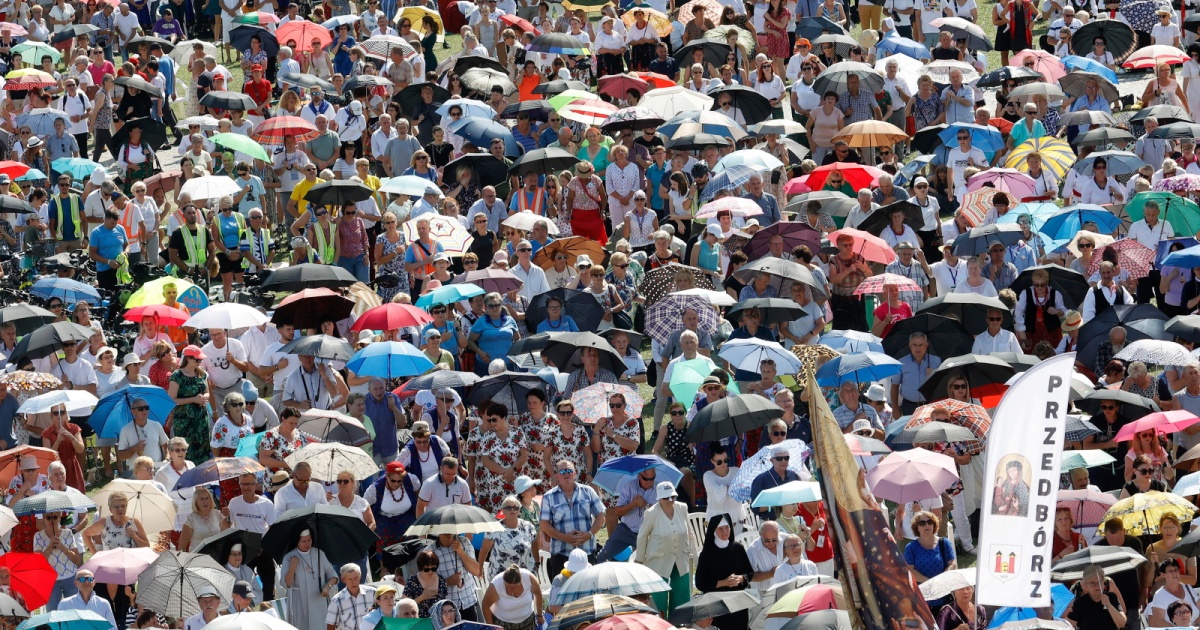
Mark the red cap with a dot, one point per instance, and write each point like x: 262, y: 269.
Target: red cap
x: 256, y: 67
x: 194, y: 352
x: 395, y: 467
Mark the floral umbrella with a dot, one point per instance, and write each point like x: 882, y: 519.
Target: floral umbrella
x: 1133, y: 257
x: 591, y: 402
x: 658, y: 21
x: 22, y: 381
x: 1057, y: 155
x: 1142, y: 512
x: 450, y: 234
x: 711, y: 8
x: 1140, y: 14
x: 1179, y: 184
x: 632, y: 118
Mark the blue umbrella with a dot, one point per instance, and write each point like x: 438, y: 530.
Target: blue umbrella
x: 1070, y: 220
x: 41, y: 120
x: 895, y: 44
x: 789, y: 493
x: 1075, y: 62
x: 760, y: 463
x: 893, y: 430
x: 480, y: 132
x: 114, y: 411
x: 32, y: 175
x: 847, y: 341
x: 1060, y: 597
x: 729, y: 179
x: 469, y: 107
x: 612, y: 472
x: 710, y: 122
x: 449, y: 294
x: 248, y: 446
x: 76, y: 167
x: 68, y: 290
x: 1164, y: 247
x: 66, y: 620
x: 1038, y: 213
x: 909, y: 171
x: 1119, y: 163
x: 863, y: 367
x: 1185, y: 258
x: 986, y: 137
x: 389, y: 359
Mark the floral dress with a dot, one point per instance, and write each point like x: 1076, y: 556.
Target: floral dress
x: 225, y: 439
x: 568, y: 448
x: 191, y: 421
x: 925, y: 111
x: 395, y: 265
x: 281, y: 446
x: 490, y: 488
x: 511, y: 546
x: 21, y: 539
x: 413, y: 590
x: 534, y: 432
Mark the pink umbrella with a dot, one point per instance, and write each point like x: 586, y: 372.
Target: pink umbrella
x: 1133, y: 257
x: 120, y: 566
x: 875, y: 284
x: 1162, y: 421
x: 738, y: 206
x: 1050, y: 66
x: 797, y: 185
x: 587, y: 111
x: 868, y: 245
x: 912, y: 475
x: 1087, y: 506
x: 1180, y: 183
x: 1008, y: 180
x: 1151, y: 56
x: 976, y: 203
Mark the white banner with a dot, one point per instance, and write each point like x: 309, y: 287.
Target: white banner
x: 1020, y: 487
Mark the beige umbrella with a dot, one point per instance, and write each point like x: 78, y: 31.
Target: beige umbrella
x: 1099, y: 240
x: 871, y: 133
x: 330, y: 459
x: 149, y: 505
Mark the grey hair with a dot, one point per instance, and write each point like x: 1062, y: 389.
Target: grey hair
x: 233, y: 399
x: 56, y: 466
x: 917, y: 335
x: 350, y: 568
x: 1093, y: 570
x: 175, y: 442
x: 866, y: 192
x: 688, y: 334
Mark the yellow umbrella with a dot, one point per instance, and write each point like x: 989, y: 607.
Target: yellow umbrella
x: 26, y: 71
x: 190, y: 295
x: 1141, y: 512
x: 658, y: 21
x: 416, y: 14
x: 871, y: 133
x: 1099, y: 240
x: 1057, y: 155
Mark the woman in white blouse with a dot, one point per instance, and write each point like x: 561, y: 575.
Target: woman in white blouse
x: 975, y: 282
x: 665, y: 546
x: 203, y: 523
x: 716, y: 486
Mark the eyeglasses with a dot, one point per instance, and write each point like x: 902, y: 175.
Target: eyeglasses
x: 511, y: 508
x: 140, y: 408
x: 921, y: 186
x: 422, y: 158
x: 525, y: 249
x: 493, y: 305
x: 1108, y: 407
x: 394, y: 479
x: 995, y: 319
x: 720, y: 462
x: 678, y: 413
x: 566, y: 471
x: 345, y: 482
x: 782, y: 458
x: 179, y: 450
x: 438, y: 311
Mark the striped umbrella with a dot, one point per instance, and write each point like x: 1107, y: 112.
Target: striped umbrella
x: 587, y: 111
x: 1057, y: 155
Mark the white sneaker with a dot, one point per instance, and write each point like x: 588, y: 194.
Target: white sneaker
x: 968, y: 548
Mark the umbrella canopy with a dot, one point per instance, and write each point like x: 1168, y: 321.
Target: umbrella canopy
x: 389, y: 359
x: 947, y: 336
x: 337, y: 531
x: 869, y: 246
x: 1139, y: 322
x: 860, y: 367
x: 333, y: 426
x: 947, y: 582
x: 218, y: 547
x: 573, y: 247
x: 615, y: 578
x: 580, y: 306
x: 228, y: 316
x: 979, y: 239
x: 592, y: 402
x: 789, y: 493
x: 748, y: 355
x: 454, y: 519
x: 564, y: 349
x: 835, y: 78
x: 115, y: 410
x: 321, y: 347
x: 671, y: 101
x: 612, y: 472
x: 1142, y: 512
x: 1174, y: 209
x: 120, y: 566
x: 793, y: 233
x: 594, y: 608
x: 663, y: 318
x: 1111, y: 559
x: 391, y: 316
x: 1153, y: 56
x: 217, y: 470
x: 71, y: 399
x: 312, y: 307
x: 146, y: 502
x: 979, y: 370
x: 807, y: 599
x: 1163, y: 422
x: 1155, y: 352
x: 26, y: 317
x: 770, y: 311
x: 66, y: 620
x: 1087, y: 506
x: 65, y: 289
x: 507, y: 388
x: 1185, y: 327
x: 1071, y: 284
x: 912, y: 475
x: 1130, y: 405
x: 171, y: 584
x: 970, y: 310
x: 733, y: 415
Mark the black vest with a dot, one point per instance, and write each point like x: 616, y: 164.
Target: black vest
x: 1102, y: 303
x: 1052, y: 321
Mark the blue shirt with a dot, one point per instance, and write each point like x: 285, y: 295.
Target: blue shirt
x: 108, y: 243
x: 166, y: 67
x: 495, y: 335
x: 1021, y: 256
x: 748, y: 292
x: 569, y: 515
x: 8, y: 411
x: 448, y: 329
x: 628, y: 489
x: 548, y: 136
x: 770, y: 208
x: 564, y: 324
x: 913, y: 375
x: 526, y: 141
x: 385, y: 444
x: 656, y: 175
x: 770, y: 479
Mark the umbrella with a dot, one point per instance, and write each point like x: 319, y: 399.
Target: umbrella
x: 632, y: 118
x: 834, y: 78
x: 543, y: 161
x: 1118, y: 36
x: 935, y: 432
x: 1151, y: 56
x: 321, y: 347
x: 947, y: 336
x: 454, y: 519
x: 976, y: 204
x: 147, y: 503
x: 612, y: 472
x: 480, y: 132
x: 615, y: 578
x: 170, y: 585
x: 244, y: 144
x: 662, y: 318
x: 1111, y: 559
x: 1007, y: 180
x: 488, y: 170
x: 940, y: 71
x: 564, y: 350
x: 820, y: 620
x: 573, y: 247
x: 1184, y: 326
x: 978, y: 240
x: 507, y: 388
x: 748, y: 355
x: 22, y: 381
x: 715, y: 51
x: 449, y: 294
x: 310, y: 307
x: 1188, y: 544
x: 788, y: 494
x: 970, y: 310
x: 1135, y: 258
x: 1068, y: 222
x: 482, y: 80
x: 986, y: 137
x: 337, y: 531
x: 120, y: 566
x: 1139, y: 322
x: 812, y: 27
x: 66, y: 620
x: 912, y: 475
x: 1075, y: 83
x: 897, y: 45
x: 223, y: 99
x: 1057, y: 155
x: 41, y: 121
x: 31, y: 577
x: 556, y: 44
x: 65, y: 289
x: 333, y: 426
x: 999, y: 77
x: 970, y: 416
x: 1077, y: 430
x: 793, y: 233
x: 1119, y: 163
x: 1164, y: 422
x: 391, y: 316
x: 1155, y: 351
x: 1130, y: 405
x: 26, y: 317
x: 72, y: 400
x: 558, y: 86
x: 217, y: 470
x: 1178, y: 184
x: 871, y: 133
x: 389, y: 359
x: 978, y: 369
x: 1141, y: 512
x: 675, y: 100
x: 1179, y: 211
x: 114, y: 411
x: 49, y: 339
x: 633, y: 621
x: 617, y: 85
x: 876, y: 284
x: 227, y: 316
x: 869, y: 246
x: 330, y: 459
x: 1089, y: 117
x: 1071, y: 284
x: 687, y: 376
x: 733, y: 415
x: 307, y: 275
x: 1164, y: 114
x: 754, y: 106
x: 1087, y: 506
x: 240, y: 36
x: 1048, y: 65
x: 706, y: 121
x: 586, y: 610
x: 771, y: 311
x: 581, y: 306
x: 761, y: 462
x: 947, y: 582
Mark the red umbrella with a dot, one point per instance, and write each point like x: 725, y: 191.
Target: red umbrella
x: 10, y: 461
x: 616, y: 85
x: 13, y: 169
x: 311, y: 307
x: 304, y: 32
x: 963, y: 414
x: 857, y: 175
x: 871, y: 247
x: 32, y: 577
x: 391, y: 316
x: 272, y: 131
x: 166, y: 315
x: 1162, y: 421
x: 30, y: 81
x: 1132, y: 256
x: 164, y: 180
x: 1003, y: 125
x: 655, y: 79
x: 519, y: 22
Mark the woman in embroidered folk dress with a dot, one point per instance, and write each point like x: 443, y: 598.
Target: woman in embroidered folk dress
x: 135, y: 161
x: 585, y: 200
x: 502, y: 452
x: 283, y: 440
x: 535, y: 426
x: 227, y: 433
x: 393, y: 501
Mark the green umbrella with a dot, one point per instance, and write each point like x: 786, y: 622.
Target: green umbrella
x: 1085, y: 459
x: 1182, y: 214
x: 745, y: 38
x: 238, y: 142
x: 32, y: 52
x: 565, y: 98
x: 687, y: 376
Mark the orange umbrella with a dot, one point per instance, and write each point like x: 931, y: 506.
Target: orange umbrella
x: 871, y: 133
x: 573, y: 247
x: 10, y: 465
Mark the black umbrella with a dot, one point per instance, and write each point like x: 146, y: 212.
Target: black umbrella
x: 308, y: 276
x: 1088, y: 117
x: 558, y: 86
x: 312, y: 311
x: 1070, y: 283
x: 11, y: 204
x: 1119, y: 38
x: 635, y: 338
x: 794, y: 234
x: 141, y: 84
x: 1176, y: 131
x: 536, y: 110
x: 927, y: 139
x: 968, y: 308
x: 1192, y: 23
x: 508, y: 389
x: 154, y: 133
x: 772, y: 311
x: 1102, y: 136
x: 456, y: 519
x: 526, y: 352
x: 581, y: 306
x: 1141, y: 321
x: 1131, y: 406
x: 1164, y: 114
x: 733, y: 415
x: 1019, y: 362
x: 978, y: 240
x: 408, y: 98
x: 144, y: 39
x: 482, y: 80
x: 813, y: 27
x: 709, y: 605
x: 406, y: 551
x: 369, y: 81
x: 1189, y: 545
x: 783, y: 274
x: 224, y: 99
x: 947, y: 337
x: 997, y: 78
x: 241, y: 35
x: 754, y: 106
x: 550, y: 160
x: 466, y: 63
x: 1183, y: 326
x: 337, y: 193
x: 310, y: 81
x: 696, y: 141
x: 218, y: 546
x: 979, y: 369
x: 488, y: 169
x: 49, y: 339
x: 26, y: 317
x: 564, y: 350
x: 321, y: 347
x: 71, y: 31
x: 878, y: 221
x: 441, y: 379
x: 337, y: 531
x: 714, y: 52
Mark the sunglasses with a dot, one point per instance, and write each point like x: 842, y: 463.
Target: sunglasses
x: 1145, y: 471
x: 345, y: 482
x: 924, y: 522
x: 85, y: 580
x: 141, y: 408
x: 237, y: 405
x: 995, y: 319
x: 782, y: 458
x: 1086, y: 246
x: 428, y: 569
x: 678, y: 413
x: 616, y: 405
x: 720, y: 462
x: 1108, y: 407
x: 958, y: 386
x: 566, y: 471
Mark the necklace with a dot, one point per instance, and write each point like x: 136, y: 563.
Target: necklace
x: 424, y: 458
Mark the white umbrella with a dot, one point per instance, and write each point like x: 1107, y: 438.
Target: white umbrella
x: 940, y: 70
x: 8, y: 520
x: 209, y: 187
x: 907, y: 72
x: 206, y: 122
x: 73, y: 399
x: 329, y: 459
x: 525, y: 221
x: 716, y: 298
x: 1155, y: 352
x: 147, y: 503
x: 410, y: 185
x: 674, y: 100
x: 249, y: 621
x: 947, y: 582
x: 748, y: 355
x: 171, y: 584
x: 227, y: 315
x: 10, y: 607
x: 615, y: 578
x: 183, y: 50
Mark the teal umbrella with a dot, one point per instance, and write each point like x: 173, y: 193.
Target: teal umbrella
x: 31, y: 175
x: 1084, y: 459
x: 66, y: 620
x: 79, y: 168
x: 238, y: 142
x: 32, y: 52
x: 449, y: 294
x: 789, y: 493
x: 1183, y: 214
x: 248, y: 446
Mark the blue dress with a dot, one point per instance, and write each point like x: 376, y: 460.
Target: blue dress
x: 341, y: 59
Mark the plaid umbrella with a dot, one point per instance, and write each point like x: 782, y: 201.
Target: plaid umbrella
x: 731, y: 178
x: 663, y: 318
x: 1077, y: 430
x: 591, y: 402
x: 1133, y: 257
x: 963, y: 414
x: 659, y: 282
x: 876, y: 284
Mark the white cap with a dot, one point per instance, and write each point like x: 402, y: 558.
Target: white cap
x: 920, y: 180
x: 875, y: 392
x: 99, y: 175
x: 714, y: 229
x: 665, y: 490
x: 356, y: 107
x: 862, y: 425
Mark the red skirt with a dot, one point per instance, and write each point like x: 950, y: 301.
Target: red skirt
x: 590, y: 224
x: 229, y: 487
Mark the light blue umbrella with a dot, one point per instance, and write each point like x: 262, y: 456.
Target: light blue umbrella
x: 32, y: 175
x: 41, y: 120
x: 760, y: 463
x: 756, y: 159
x: 1185, y: 258
x: 895, y: 44
x: 340, y: 20
x: 66, y: 620
x: 862, y: 367
x: 79, y: 168
x: 847, y: 341
x: 1038, y: 213
x: 612, y: 472
x: 731, y: 178
x: 248, y: 446
x: 986, y: 137
x: 1187, y: 485
x: 68, y: 290
x: 470, y: 107
x: 789, y: 493
x: 1060, y: 598
x: 1119, y: 163
x: 1068, y: 221
x: 1075, y: 62
x: 449, y: 294
x: 389, y: 359
x: 114, y: 411
x: 748, y: 354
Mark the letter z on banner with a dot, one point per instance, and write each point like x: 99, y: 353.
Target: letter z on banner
x: 1020, y: 487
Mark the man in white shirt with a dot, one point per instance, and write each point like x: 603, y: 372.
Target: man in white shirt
x: 254, y: 513
x: 1067, y: 21
x: 351, y: 603
x: 529, y: 273
x: 143, y: 436
x: 959, y: 159
x: 314, y: 385
x: 226, y: 361
x: 995, y: 338
x: 97, y: 202
x: 210, y: 609
x: 444, y: 488
x: 948, y: 272
x: 87, y: 599
x: 274, y: 367
x: 126, y: 24
x: 380, y: 138
x: 1149, y: 231
x: 865, y: 207
x: 1105, y: 294
x: 301, y: 492
x: 765, y: 554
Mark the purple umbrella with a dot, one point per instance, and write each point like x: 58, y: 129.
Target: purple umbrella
x: 794, y: 233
